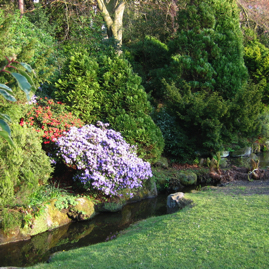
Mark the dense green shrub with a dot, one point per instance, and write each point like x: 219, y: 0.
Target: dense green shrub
x: 66, y: 21
x: 24, y: 168
x: 106, y: 89
x: 206, y: 90
x: 149, y: 58
x: 40, y: 16
x: 11, y: 219
x: 257, y: 61
x: 244, y: 118
x: 150, y: 53
x: 200, y: 115
x: 209, y: 121
x: 208, y: 49
x: 22, y: 39
x: 18, y: 32
x: 178, y: 144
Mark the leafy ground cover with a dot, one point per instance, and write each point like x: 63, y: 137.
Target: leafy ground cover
x: 223, y: 228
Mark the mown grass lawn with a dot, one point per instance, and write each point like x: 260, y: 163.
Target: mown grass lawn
x: 220, y: 231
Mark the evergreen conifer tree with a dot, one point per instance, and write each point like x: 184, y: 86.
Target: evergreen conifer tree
x: 208, y: 82
x: 257, y: 61
x: 208, y: 50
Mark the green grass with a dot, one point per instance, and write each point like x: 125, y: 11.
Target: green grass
x: 219, y: 231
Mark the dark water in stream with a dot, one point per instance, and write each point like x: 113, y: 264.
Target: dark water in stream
x: 264, y: 160
x: 244, y: 161
x: 79, y: 234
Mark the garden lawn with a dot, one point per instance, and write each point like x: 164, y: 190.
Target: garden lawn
x: 220, y: 231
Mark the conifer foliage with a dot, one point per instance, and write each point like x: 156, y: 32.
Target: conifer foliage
x: 257, y: 60
x: 208, y: 50
x: 208, y: 81
x: 23, y: 168
x: 106, y: 89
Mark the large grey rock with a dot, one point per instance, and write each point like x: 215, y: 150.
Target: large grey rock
x: 176, y: 201
x: 173, y: 199
x: 243, y: 152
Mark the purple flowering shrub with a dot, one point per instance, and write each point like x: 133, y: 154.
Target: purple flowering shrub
x: 104, y: 160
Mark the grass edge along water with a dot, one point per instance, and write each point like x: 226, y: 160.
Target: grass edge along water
x: 218, y: 231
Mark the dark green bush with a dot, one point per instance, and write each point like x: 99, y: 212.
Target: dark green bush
x: 257, y: 61
x: 23, y: 169
x: 106, y: 89
x: 178, y: 145
x: 42, y: 19
x: 150, y: 53
x: 149, y: 58
x: 209, y: 121
x: 200, y: 115
x: 206, y: 90
x: 208, y: 48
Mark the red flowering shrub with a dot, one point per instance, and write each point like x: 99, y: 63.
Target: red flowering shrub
x: 50, y: 117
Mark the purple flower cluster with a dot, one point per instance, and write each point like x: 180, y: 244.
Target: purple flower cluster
x: 32, y: 100
x: 112, y: 236
x: 103, y: 159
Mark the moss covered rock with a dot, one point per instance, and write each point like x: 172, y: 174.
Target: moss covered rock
x: 52, y: 218
x: 149, y: 190
x: 162, y: 162
x: 83, y: 210
x: 187, y: 178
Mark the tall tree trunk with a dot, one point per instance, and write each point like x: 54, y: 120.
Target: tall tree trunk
x: 21, y: 6
x: 112, y: 11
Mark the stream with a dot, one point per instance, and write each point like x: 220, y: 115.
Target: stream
x: 243, y: 161
x: 264, y: 160
x: 101, y: 228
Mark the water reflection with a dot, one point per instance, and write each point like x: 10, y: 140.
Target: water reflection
x: 264, y: 160
x: 79, y: 234
x: 245, y: 161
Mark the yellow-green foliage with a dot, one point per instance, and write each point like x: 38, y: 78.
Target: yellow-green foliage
x: 11, y: 219
x: 21, y: 39
x: 257, y: 61
x: 24, y: 168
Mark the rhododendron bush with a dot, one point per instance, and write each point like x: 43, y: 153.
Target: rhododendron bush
x: 51, y: 118
x: 103, y: 159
